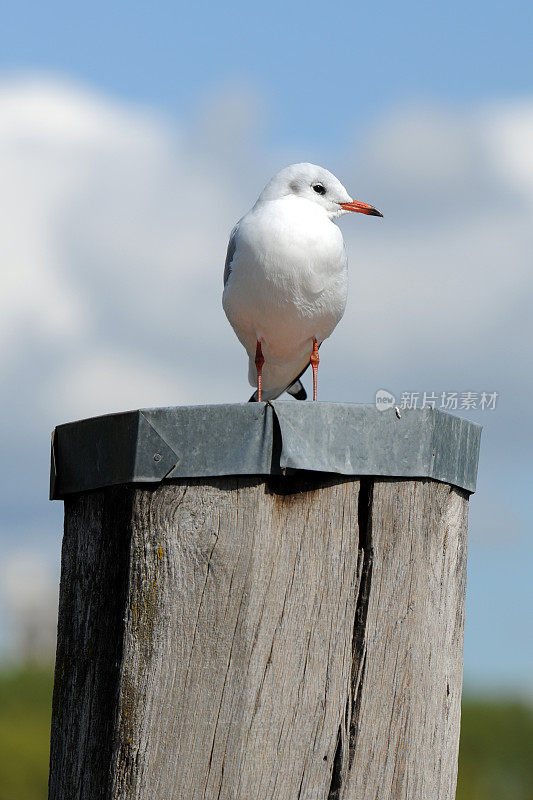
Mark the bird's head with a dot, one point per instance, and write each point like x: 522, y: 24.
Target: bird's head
x: 317, y: 185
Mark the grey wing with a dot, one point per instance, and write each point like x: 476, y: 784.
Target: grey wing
x: 232, y: 246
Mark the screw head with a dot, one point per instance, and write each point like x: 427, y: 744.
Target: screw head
x: 158, y: 457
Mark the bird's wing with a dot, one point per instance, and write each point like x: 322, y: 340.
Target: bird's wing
x: 232, y: 246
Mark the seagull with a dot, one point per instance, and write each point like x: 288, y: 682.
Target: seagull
x: 286, y: 276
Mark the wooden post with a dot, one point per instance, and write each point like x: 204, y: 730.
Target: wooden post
x: 260, y: 637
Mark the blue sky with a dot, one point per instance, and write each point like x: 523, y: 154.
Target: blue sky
x: 108, y: 112
x: 323, y: 70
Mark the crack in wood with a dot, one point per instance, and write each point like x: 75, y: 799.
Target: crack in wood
x: 341, y: 764
x: 336, y: 774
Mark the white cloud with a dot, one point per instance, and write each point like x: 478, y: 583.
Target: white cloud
x: 108, y: 382
x: 55, y: 113
x: 508, y: 138
x: 113, y: 233
x: 440, y: 280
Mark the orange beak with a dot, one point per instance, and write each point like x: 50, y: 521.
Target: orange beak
x: 361, y: 208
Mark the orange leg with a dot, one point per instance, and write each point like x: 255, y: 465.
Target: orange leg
x: 259, y: 361
x: 314, y: 364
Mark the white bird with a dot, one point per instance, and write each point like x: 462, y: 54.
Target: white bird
x: 286, y: 276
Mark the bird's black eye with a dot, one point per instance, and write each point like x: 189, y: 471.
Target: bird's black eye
x: 319, y: 189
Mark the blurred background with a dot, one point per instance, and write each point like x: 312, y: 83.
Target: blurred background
x: 132, y: 137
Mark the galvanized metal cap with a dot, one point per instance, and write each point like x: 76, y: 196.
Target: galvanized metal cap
x: 149, y: 445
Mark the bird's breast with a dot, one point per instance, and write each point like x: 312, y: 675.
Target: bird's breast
x: 288, y: 279
x: 291, y: 251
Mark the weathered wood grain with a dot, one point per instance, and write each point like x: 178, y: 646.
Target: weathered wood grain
x: 238, y: 637
x: 235, y: 638
x: 93, y: 592
x: 408, y: 671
